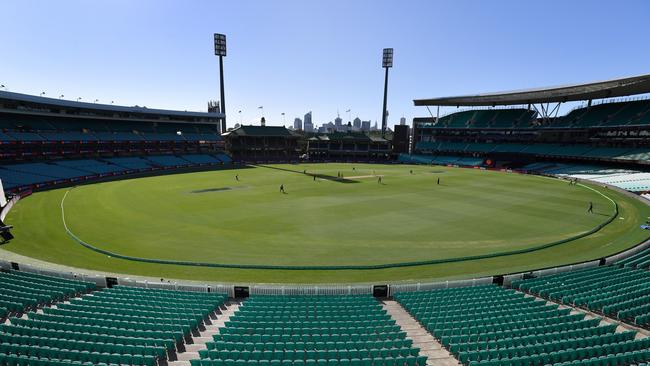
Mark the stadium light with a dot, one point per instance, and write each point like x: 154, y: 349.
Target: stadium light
x: 220, y: 50
x: 387, y: 62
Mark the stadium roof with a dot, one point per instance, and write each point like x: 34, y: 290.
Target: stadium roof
x: 566, y: 93
x: 103, y: 107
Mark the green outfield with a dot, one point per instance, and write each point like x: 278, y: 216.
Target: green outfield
x: 322, y: 220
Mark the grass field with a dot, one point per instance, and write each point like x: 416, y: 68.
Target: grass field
x: 212, y: 217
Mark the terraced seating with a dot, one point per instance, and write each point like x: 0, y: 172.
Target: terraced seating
x: 489, y: 325
x: 633, y: 113
x: 167, y: 160
x: 311, y: 331
x: 427, y: 145
x: 456, y: 120
x: 452, y: 146
x: 201, y: 159
x: 90, y: 166
x: 22, y: 290
x: 131, y: 163
x: 481, y: 147
x: 121, y: 325
x: 16, y: 175
x: 621, y: 292
x: 639, y: 260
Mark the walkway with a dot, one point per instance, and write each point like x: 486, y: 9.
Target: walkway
x: 422, y: 339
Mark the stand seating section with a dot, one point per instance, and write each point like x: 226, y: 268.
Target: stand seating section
x: 489, y: 325
x: 16, y: 175
x: 121, y: 325
x: 632, y: 113
x: 488, y: 118
x: 21, y: 291
x: 639, y: 260
x: 311, y: 331
x: 540, y: 149
x: 440, y: 160
x: 617, y: 290
x: 35, y: 129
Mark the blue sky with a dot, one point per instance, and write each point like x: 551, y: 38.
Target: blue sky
x: 324, y: 56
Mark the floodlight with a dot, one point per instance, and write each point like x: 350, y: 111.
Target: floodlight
x: 387, y: 59
x: 219, y: 44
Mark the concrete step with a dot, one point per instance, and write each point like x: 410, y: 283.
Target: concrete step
x: 429, y: 346
x: 198, y: 343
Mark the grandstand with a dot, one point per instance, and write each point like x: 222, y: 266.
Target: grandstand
x: 46, y: 142
x: 312, y: 330
x: 69, y: 322
x: 620, y: 292
x: 488, y: 325
x: 602, y: 140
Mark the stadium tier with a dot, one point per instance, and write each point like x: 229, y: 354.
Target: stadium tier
x: 311, y: 331
x: 20, y: 291
x: 639, y: 260
x: 488, y: 325
x: 46, y: 141
x: 52, y: 172
x: 621, y: 292
x: 121, y: 325
x: 542, y: 150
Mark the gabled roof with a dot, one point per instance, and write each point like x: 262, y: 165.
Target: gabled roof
x: 566, y: 93
x: 268, y: 131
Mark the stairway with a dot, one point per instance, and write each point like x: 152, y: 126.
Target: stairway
x: 205, y: 335
x: 422, y: 339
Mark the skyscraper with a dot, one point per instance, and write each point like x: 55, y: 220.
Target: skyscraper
x: 402, y: 121
x: 308, y: 125
x: 357, y: 123
x: 338, y: 123
x: 365, y: 125
x: 297, y: 124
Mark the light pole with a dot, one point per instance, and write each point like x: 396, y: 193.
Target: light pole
x: 283, y: 123
x: 78, y: 99
x: 61, y: 96
x: 220, y: 50
x: 96, y: 100
x: 349, y: 111
x: 2, y: 86
x: 42, y: 93
x: 387, y: 62
x: 239, y: 117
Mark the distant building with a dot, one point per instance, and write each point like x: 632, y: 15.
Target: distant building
x: 356, y: 123
x: 365, y: 126
x: 338, y: 123
x: 297, y: 124
x: 402, y: 121
x: 308, y: 125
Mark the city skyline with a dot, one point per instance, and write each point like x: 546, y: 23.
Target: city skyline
x: 290, y: 56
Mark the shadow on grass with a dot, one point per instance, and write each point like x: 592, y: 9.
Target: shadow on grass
x: 320, y: 176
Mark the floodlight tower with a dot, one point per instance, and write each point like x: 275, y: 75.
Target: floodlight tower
x: 387, y: 62
x: 220, y: 50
